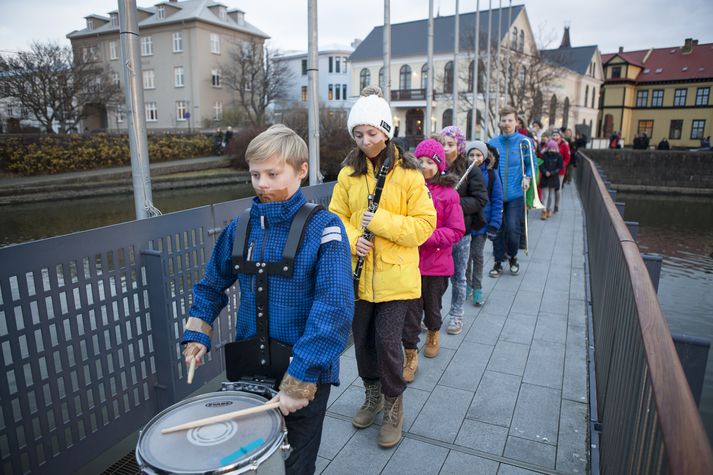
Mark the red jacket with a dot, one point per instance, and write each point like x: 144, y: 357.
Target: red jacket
x: 436, y: 253
x: 564, y: 151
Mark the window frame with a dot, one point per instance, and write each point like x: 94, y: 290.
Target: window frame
x: 215, y: 78
x: 671, y: 129
x: 303, y: 93
x: 181, y: 118
x: 701, y: 129
x: 654, y: 96
x: 176, y: 75
x: 150, y: 107
x: 149, y: 79
x: 616, y: 72
x: 364, y: 78
x: 405, y: 76
x: 177, y: 38
x: 649, y: 131
x: 642, y: 98
x: 699, y: 95
x: 113, y: 51
x: 218, y: 110
x: 677, y: 93
x: 147, y: 45
x: 214, y: 43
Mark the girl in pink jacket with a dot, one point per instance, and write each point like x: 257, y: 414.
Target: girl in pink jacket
x: 436, y: 260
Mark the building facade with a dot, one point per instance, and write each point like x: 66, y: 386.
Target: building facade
x: 660, y: 92
x: 184, y: 46
x: 510, y: 29
x: 334, y: 78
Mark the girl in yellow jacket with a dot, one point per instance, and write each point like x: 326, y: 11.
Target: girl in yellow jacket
x: 390, y: 279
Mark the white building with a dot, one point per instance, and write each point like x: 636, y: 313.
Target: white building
x: 335, y: 77
x: 183, y: 47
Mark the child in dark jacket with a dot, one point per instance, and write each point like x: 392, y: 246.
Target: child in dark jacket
x: 552, y: 163
x: 436, y: 260
x: 486, y: 159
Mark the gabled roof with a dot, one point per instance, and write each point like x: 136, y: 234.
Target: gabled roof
x: 670, y: 64
x: 576, y: 59
x: 187, y: 10
x: 410, y: 38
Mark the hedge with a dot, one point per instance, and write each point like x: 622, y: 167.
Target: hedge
x: 50, y: 154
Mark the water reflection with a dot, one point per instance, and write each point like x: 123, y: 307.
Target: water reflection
x: 681, y: 230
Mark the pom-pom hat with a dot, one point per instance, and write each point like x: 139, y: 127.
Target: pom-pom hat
x: 371, y: 109
x: 457, y: 134
x: 552, y: 144
x: 434, y: 150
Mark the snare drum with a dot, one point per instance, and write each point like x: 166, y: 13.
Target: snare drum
x: 254, y: 443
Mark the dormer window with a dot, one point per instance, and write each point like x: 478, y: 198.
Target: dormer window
x: 90, y: 23
x: 114, y: 19
x: 161, y: 12
x: 241, y: 18
x: 222, y: 13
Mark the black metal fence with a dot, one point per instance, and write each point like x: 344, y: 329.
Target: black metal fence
x: 89, y: 330
x: 649, y: 420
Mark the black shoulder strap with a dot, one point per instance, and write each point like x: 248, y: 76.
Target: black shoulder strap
x: 240, y: 240
x: 296, y: 236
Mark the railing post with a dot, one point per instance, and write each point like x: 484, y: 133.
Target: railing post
x: 693, y: 353
x: 161, y: 330
x: 620, y: 205
x: 612, y: 193
x: 653, y: 265
x: 633, y: 229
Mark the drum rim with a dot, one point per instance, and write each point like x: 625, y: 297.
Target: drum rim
x: 240, y: 466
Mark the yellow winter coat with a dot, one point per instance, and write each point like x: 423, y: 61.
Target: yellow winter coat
x: 405, y: 219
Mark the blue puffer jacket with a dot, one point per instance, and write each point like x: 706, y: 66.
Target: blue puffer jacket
x: 493, y: 211
x: 510, y: 167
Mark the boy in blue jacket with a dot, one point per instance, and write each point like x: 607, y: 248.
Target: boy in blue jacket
x: 311, y: 311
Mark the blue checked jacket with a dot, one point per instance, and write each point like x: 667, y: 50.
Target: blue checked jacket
x: 312, y: 311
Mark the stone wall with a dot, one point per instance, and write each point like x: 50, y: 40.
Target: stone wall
x: 649, y: 170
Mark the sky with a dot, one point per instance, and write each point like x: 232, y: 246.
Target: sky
x: 633, y: 24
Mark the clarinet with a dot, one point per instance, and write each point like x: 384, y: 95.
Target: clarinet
x: 366, y: 234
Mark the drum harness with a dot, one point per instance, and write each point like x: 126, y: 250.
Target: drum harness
x: 262, y: 360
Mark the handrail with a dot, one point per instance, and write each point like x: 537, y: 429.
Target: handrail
x: 650, y: 421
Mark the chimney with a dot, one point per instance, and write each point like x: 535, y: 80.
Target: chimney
x: 688, y: 45
x: 355, y: 44
x: 621, y: 49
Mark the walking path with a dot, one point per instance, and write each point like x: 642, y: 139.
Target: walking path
x: 508, y: 395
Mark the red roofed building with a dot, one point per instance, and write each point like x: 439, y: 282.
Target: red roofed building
x: 662, y: 92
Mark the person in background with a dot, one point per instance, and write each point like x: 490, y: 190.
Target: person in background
x: 390, y: 281
x: 435, y: 258
x: 663, y: 145
x: 549, y: 177
x: 564, y: 151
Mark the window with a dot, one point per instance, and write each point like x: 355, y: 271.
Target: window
x: 382, y: 82
x: 338, y: 92
x: 364, y: 78
x: 161, y: 12
x: 115, y: 79
x: 521, y: 47
x: 149, y: 82
x: 90, y: 24
x: 471, y: 71
x: 215, y: 78
x: 702, y: 94
x: 344, y: 92
x: 553, y: 110
x: 304, y: 67
x: 331, y: 63
x: 114, y: 18
x: 642, y: 98
x: 120, y: 114
x: 146, y: 46
x: 330, y: 92
x: 89, y: 53
x: 447, y: 118
x: 222, y: 14
x: 646, y: 127
x: 214, y: 43
x: 337, y: 65
x: 113, y: 50
x: 405, y: 77
x: 181, y: 110
x: 697, y: 128
x: 151, y: 112
x: 448, y: 77
x: 616, y: 72
x: 424, y: 77
x: 177, y: 42
x: 657, y: 98
x: 217, y: 110
x: 513, y: 42
x: 178, y: 77
x: 586, y: 95
x: 594, y: 94
x: 565, y: 113
x: 679, y: 98
x: 304, y: 93
x: 344, y: 65
x: 674, y: 130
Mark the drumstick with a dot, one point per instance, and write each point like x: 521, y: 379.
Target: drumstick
x: 223, y: 417
x: 191, y: 370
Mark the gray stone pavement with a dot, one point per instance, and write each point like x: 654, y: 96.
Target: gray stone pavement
x: 509, y: 394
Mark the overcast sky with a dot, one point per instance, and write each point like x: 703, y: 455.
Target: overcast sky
x: 634, y: 24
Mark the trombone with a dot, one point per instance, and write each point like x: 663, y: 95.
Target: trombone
x: 526, y: 148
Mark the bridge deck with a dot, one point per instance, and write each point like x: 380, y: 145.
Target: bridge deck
x: 509, y: 395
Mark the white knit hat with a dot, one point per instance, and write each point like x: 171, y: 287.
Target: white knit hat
x: 371, y: 109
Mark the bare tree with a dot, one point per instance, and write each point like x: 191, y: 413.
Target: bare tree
x: 55, y: 84
x: 256, y: 78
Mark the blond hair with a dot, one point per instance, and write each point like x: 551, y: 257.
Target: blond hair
x: 507, y: 110
x: 278, y: 140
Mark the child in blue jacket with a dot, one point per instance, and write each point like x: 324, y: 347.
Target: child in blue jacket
x: 487, y: 159
x: 311, y: 311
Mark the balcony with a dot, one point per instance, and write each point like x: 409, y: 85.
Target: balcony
x: 409, y: 94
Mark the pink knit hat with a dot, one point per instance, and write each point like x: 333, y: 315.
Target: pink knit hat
x: 434, y: 150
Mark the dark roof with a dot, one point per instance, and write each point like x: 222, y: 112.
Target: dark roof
x: 670, y: 64
x: 405, y: 36
x: 577, y: 59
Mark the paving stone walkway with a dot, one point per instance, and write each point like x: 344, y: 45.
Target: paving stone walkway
x: 508, y: 395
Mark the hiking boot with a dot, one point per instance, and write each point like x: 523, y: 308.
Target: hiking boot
x: 390, y: 433
x: 544, y: 215
x: 557, y: 208
x: 478, y: 298
x: 455, y: 325
x: 496, y: 270
x: 410, y: 364
x: 431, y: 348
x: 468, y: 292
x: 514, y: 266
x: 373, y: 404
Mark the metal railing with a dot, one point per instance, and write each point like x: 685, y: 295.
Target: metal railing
x: 649, y: 420
x: 89, y: 330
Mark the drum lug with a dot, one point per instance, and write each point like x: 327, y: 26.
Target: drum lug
x: 285, y: 450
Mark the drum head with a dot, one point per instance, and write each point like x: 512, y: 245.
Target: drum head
x: 214, y: 447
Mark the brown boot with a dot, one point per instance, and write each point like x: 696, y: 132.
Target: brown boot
x: 431, y: 348
x: 543, y: 216
x: 410, y: 364
x: 373, y: 404
x: 390, y: 433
